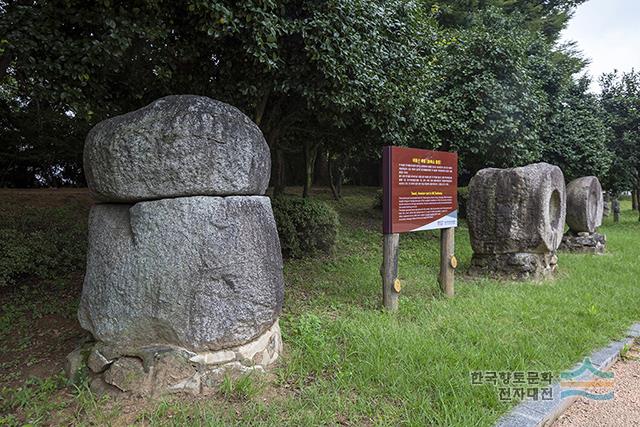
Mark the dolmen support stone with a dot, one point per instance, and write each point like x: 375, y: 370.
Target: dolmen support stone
x: 516, y: 219
x: 585, y: 208
x: 184, y: 281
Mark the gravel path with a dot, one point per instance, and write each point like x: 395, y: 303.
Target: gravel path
x: 622, y: 410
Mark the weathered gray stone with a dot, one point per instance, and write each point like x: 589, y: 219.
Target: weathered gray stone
x: 173, y: 372
x: 516, y: 266
x: 583, y: 242
x: 157, y: 370
x: 202, y: 273
x: 517, y: 210
x: 176, y: 146
x: 191, y: 385
x: 99, y: 387
x: 127, y: 374
x: 74, y: 364
x: 214, y: 357
x: 97, y: 362
x: 516, y: 220
x: 585, y: 204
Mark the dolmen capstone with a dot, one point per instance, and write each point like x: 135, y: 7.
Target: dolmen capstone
x: 183, y: 284
x: 516, y: 219
x: 585, y: 208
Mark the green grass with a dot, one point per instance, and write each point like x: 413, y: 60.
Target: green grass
x: 349, y: 362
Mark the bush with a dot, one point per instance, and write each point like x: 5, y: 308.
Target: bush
x: 463, y: 197
x: 41, y: 243
x: 305, y: 226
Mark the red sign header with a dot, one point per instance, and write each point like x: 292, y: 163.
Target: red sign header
x: 419, y: 189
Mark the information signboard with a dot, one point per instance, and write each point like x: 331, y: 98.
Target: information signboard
x: 419, y: 189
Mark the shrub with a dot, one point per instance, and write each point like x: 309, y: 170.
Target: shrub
x: 305, y: 226
x: 42, y: 243
x: 463, y: 197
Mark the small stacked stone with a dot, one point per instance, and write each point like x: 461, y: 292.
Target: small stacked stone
x: 184, y: 277
x: 585, y: 208
x: 516, y: 218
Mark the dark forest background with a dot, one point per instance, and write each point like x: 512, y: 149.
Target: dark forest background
x: 329, y: 83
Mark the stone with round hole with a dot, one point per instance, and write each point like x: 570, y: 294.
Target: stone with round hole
x: 584, y: 204
x: 516, y: 219
x: 585, y: 207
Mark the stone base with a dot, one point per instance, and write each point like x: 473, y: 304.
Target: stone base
x: 584, y: 242
x: 515, y: 266
x: 153, y: 371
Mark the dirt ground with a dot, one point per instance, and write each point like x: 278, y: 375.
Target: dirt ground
x: 622, y: 410
x: 40, y: 336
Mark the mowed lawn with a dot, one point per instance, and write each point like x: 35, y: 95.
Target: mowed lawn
x: 349, y: 363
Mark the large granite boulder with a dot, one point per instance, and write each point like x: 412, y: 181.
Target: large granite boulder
x: 176, y: 146
x: 200, y: 273
x: 585, y: 204
x: 516, y: 219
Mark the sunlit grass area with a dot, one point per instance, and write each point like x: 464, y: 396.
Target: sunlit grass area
x: 348, y: 362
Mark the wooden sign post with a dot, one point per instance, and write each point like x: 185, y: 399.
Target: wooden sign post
x: 419, y: 193
x: 448, y: 261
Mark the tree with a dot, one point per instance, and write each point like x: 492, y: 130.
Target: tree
x: 548, y: 17
x: 338, y: 76
x: 576, y: 137
x: 620, y: 99
x: 289, y: 64
x: 488, y: 105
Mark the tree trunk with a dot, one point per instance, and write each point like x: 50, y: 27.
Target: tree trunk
x: 321, y: 170
x: 279, y: 175
x: 262, y: 106
x: 277, y: 160
x: 310, y: 153
x: 332, y: 181
x: 339, y: 180
x: 634, y: 199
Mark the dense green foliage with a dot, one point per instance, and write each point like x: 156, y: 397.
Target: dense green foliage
x: 306, y: 227
x: 463, y: 199
x: 44, y: 243
x: 488, y: 105
x: 335, y: 79
x: 548, y: 17
x: 577, y: 136
x: 621, y: 101
x: 298, y: 68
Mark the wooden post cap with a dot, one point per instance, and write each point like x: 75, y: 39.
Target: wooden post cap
x: 397, y: 286
x: 453, y: 261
